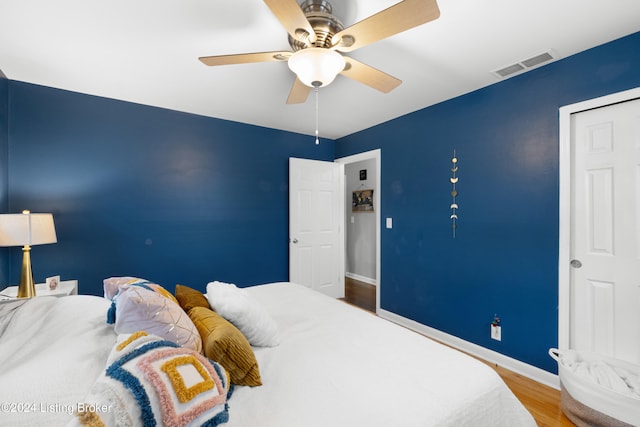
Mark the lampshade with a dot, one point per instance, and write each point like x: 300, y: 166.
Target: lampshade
x: 27, y: 229
x: 316, y: 66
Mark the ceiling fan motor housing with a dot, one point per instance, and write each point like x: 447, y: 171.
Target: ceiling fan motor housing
x: 325, y: 25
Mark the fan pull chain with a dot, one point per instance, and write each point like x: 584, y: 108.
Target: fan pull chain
x: 317, y: 132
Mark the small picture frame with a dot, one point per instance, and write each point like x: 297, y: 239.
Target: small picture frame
x: 363, y: 174
x: 53, y: 282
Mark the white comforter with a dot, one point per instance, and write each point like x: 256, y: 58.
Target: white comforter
x: 51, y: 351
x: 340, y: 366
x: 336, y: 366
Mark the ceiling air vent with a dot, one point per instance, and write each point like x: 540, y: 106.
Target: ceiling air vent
x: 511, y: 69
x: 524, y: 64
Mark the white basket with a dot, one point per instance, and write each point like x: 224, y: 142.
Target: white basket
x: 617, y: 405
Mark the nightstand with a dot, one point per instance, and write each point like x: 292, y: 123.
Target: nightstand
x: 66, y: 287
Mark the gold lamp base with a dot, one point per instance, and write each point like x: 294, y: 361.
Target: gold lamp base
x: 26, y: 288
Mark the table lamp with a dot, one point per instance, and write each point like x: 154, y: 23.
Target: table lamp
x: 26, y: 229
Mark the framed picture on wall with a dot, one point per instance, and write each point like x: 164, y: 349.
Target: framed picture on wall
x: 362, y: 201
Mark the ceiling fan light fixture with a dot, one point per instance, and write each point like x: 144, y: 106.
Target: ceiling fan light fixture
x: 316, y: 66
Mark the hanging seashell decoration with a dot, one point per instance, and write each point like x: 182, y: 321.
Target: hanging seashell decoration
x: 454, y: 193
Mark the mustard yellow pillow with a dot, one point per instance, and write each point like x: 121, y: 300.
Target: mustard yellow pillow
x: 224, y: 343
x: 188, y: 298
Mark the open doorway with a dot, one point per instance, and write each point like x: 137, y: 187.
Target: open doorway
x: 362, y: 229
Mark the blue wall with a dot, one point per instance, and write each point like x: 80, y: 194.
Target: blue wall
x: 504, y: 259
x: 4, y: 166
x: 137, y: 190
x: 179, y: 198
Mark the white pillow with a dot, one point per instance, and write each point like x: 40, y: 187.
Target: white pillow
x: 235, y: 305
x: 139, y: 309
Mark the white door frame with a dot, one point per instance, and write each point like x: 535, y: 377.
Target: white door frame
x: 564, y: 255
x: 367, y: 155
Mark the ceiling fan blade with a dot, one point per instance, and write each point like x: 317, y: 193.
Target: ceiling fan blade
x: 292, y: 19
x: 369, y: 76
x: 245, y: 58
x: 299, y: 92
x: 393, y: 20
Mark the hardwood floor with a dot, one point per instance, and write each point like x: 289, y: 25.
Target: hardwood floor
x: 541, y: 401
x: 359, y: 293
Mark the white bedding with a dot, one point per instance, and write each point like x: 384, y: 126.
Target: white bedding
x: 51, y: 351
x: 335, y: 365
x: 341, y: 366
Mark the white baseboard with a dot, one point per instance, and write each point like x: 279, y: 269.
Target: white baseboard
x: 529, y: 371
x: 359, y: 278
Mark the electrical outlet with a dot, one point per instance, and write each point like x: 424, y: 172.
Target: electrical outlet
x: 496, y: 333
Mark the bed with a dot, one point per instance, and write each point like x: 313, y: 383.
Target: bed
x: 325, y: 363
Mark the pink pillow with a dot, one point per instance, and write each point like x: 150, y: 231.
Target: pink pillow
x: 113, y: 284
x: 139, y: 309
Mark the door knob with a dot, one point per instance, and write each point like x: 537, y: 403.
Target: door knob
x: 575, y: 263
x: 294, y: 240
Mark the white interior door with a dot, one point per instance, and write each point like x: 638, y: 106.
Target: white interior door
x: 605, y: 231
x: 316, y: 235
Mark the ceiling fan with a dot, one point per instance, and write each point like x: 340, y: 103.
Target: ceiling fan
x: 318, y: 39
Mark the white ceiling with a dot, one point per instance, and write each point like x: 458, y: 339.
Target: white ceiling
x: 146, y: 51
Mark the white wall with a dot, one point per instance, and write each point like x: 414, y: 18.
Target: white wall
x: 361, y: 226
